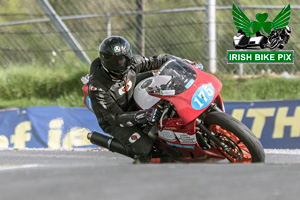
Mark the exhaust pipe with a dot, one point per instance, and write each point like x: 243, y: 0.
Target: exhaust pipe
x: 109, y: 142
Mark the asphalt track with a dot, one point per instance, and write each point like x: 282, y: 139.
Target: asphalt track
x: 98, y: 174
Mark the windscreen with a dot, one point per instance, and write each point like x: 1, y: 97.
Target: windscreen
x: 182, y: 76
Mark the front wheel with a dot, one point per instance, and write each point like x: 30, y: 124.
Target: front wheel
x: 242, y: 146
x: 273, y: 43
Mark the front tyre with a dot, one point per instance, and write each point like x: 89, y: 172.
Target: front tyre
x: 242, y: 145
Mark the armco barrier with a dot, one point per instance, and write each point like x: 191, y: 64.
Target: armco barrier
x: 275, y: 123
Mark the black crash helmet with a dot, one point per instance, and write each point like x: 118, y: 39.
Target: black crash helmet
x: 115, y: 54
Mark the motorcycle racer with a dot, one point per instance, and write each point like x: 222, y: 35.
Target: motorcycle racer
x: 193, y: 125
x: 113, y: 76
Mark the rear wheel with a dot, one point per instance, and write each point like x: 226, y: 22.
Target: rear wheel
x: 242, y: 146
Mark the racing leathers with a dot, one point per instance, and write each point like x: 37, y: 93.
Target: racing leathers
x: 112, y: 101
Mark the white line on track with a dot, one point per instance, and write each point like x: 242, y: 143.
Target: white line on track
x: 283, y: 151
x: 12, y: 167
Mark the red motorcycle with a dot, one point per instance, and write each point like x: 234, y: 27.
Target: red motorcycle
x: 193, y: 126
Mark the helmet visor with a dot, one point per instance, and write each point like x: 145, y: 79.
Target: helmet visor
x: 116, y: 64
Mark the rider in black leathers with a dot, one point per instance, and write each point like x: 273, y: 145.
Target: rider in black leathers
x: 113, y: 76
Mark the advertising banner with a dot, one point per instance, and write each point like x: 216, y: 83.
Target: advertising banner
x: 51, y: 127
x: 275, y: 123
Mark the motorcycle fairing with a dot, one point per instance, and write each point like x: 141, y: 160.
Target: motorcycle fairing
x: 203, y: 96
x: 184, y: 151
x: 183, y: 101
x: 87, y: 101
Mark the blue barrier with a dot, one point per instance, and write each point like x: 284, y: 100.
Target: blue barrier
x: 275, y: 123
x: 46, y: 127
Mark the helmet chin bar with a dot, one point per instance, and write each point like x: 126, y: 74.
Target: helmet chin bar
x: 117, y: 75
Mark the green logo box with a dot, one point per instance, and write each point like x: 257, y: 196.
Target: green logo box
x: 260, y: 57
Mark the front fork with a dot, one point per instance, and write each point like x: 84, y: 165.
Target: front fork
x: 203, y: 141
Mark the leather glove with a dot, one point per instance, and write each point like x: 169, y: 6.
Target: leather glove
x: 150, y: 115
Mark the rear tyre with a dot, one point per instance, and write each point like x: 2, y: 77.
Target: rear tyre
x: 243, y: 145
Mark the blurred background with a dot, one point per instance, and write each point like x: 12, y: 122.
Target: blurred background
x: 47, y: 45
x: 28, y: 33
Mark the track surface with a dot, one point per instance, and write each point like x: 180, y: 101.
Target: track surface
x: 98, y: 174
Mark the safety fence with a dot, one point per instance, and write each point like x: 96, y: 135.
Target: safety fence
x: 59, y: 32
x: 275, y: 123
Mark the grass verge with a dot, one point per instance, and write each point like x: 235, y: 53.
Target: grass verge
x: 24, y: 86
